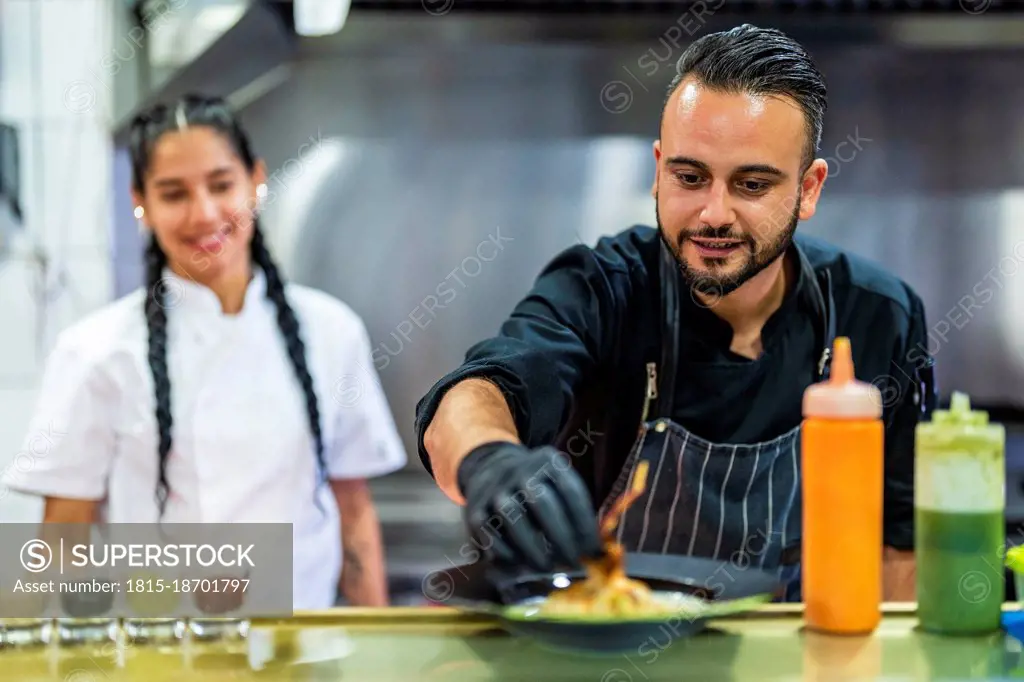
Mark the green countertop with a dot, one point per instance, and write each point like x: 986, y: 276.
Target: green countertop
x: 405, y: 644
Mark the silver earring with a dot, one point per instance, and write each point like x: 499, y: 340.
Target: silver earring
x: 261, y: 195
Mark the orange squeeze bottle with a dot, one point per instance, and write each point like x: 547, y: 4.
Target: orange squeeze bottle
x: 843, y: 460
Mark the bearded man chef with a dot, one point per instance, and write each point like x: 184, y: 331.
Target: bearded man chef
x: 707, y: 331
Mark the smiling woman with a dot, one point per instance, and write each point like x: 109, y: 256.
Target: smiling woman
x: 204, y: 397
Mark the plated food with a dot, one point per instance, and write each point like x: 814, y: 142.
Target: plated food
x: 607, y: 591
x: 606, y: 612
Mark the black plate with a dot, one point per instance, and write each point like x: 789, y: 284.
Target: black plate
x: 723, y: 587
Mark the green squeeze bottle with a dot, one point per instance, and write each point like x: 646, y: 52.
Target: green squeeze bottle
x: 959, y: 503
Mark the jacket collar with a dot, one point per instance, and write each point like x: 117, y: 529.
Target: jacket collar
x: 188, y: 296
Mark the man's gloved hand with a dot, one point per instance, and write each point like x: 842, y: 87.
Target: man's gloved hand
x: 528, y: 507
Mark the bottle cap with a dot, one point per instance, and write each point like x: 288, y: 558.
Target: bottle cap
x: 843, y: 396
x: 960, y: 413
x: 960, y: 428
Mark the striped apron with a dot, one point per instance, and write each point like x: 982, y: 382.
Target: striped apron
x: 735, y: 503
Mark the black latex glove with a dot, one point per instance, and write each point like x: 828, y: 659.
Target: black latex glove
x: 528, y: 507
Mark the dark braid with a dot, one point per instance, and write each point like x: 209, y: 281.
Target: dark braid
x: 156, y: 323
x: 146, y: 130
x: 289, y: 325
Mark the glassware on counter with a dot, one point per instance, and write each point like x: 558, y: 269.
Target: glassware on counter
x: 960, y: 537
x: 27, y: 632
x: 24, y: 616
x: 152, y: 603
x: 217, y: 597
x: 153, y: 630
x: 87, y: 607
x: 86, y: 631
x: 211, y: 629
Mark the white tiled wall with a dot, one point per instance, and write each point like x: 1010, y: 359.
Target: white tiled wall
x: 55, y: 87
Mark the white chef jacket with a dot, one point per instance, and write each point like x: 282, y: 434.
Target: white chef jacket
x: 242, y: 449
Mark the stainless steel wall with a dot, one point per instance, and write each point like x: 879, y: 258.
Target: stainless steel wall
x: 427, y: 186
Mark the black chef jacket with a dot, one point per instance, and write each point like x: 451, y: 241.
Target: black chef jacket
x: 571, y: 361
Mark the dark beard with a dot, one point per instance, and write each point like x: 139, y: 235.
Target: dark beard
x: 760, y: 255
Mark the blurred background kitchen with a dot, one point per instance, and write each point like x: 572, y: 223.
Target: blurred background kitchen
x: 429, y: 156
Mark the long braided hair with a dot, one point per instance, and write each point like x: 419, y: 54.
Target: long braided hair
x: 146, y: 129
